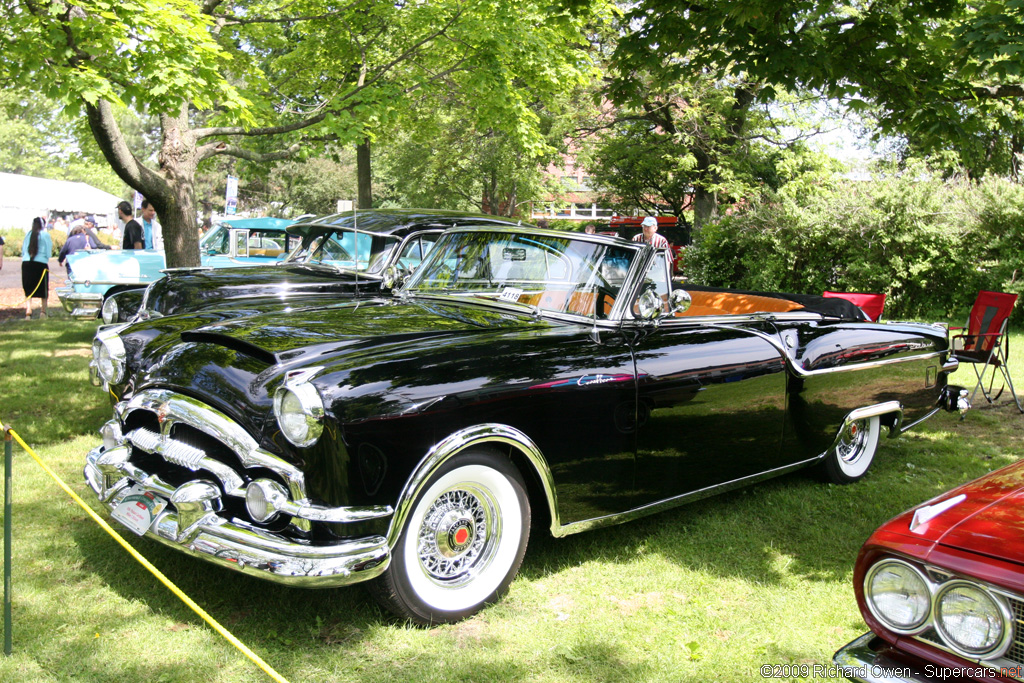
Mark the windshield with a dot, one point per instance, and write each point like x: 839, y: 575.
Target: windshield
x: 552, y: 273
x: 215, y: 241
x: 346, y: 249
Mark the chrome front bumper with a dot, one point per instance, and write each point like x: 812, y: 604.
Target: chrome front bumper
x: 80, y: 304
x: 866, y: 659
x: 192, y: 523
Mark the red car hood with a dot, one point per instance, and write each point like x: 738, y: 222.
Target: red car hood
x: 988, y: 521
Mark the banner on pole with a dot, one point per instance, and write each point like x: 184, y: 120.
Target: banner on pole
x: 231, y: 196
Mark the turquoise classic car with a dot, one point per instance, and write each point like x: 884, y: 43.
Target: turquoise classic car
x: 231, y: 243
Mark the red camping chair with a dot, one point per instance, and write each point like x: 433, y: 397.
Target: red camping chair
x: 986, y: 343
x: 871, y: 304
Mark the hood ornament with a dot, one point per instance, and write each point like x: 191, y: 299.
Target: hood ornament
x: 923, y: 515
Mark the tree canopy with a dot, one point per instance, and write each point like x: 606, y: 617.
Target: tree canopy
x: 940, y: 72
x: 258, y: 80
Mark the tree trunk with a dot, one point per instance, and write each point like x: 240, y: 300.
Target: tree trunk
x: 177, y: 211
x: 705, y: 209
x: 363, y: 177
x: 170, y: 190
x: 705, y: 202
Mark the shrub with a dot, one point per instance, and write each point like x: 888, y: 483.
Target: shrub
x: 928, y: 245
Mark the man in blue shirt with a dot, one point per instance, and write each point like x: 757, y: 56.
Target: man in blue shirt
x: 151, y: 230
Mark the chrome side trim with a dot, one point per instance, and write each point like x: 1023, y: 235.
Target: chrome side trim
x: 799, y: 371
x: 459, y: 441
x: 652, y: 508
x: 668, y: 503
x: 913, y: 424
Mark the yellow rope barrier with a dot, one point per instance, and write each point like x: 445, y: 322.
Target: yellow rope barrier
x: 145, y: 563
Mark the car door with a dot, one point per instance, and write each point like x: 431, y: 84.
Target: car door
x: 711, y: 399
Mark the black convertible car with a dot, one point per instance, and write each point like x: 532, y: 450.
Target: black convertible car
x: 520, y: 379
x: 343, y: 254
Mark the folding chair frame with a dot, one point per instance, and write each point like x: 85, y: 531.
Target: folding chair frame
x: 997, y: 358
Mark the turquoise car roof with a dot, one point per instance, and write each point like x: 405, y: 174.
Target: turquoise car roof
x: 257, y: 223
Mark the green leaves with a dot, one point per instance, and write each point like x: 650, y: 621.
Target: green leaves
x: 916, y: 64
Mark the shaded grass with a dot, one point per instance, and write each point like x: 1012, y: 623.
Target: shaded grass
x: 708, y: 591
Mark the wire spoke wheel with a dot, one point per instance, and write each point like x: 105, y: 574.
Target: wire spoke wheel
x: 462, y: 542
x: 459, y: 535
x: 854, y: 451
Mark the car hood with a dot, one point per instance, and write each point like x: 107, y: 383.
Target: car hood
x: 294, y: 333
x: 230, y: 286
x: 245, y: 358
x: 988, y: 520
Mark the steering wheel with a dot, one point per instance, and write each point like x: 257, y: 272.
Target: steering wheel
x: 601, y: 308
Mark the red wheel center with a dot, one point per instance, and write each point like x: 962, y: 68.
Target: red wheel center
x: 461, y: 535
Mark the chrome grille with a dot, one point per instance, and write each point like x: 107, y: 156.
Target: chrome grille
x: 195, y: 436
x: 1016, y: 652
x: 173, y: 451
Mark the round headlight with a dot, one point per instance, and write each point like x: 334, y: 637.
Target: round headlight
x: 648, y: 305
x: 109, y: 310
x: 299, y: 413
x: 971, y: 620
x: 109, y: 364
x: 109, y: 355
x: 897, y: 594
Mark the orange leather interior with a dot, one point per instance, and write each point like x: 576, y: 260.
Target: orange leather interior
x: 729, y: 303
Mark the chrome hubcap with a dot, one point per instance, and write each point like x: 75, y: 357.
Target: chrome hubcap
x: 458, y: 535
x: 851, y: 446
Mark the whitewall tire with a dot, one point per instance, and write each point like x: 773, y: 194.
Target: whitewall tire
x: 853, y: 453
x: 462, y: 542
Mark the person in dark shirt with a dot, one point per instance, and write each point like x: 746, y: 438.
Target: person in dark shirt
x: 80, y: 239
x: 132, y: 229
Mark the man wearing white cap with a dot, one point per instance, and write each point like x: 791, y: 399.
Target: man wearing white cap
x: 650, y: 234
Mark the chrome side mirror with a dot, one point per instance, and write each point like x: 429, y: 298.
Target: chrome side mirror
x: 679, y: 301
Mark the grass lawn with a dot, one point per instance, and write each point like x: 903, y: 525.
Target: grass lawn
x: 708, y: 592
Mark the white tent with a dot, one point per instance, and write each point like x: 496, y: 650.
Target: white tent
x: 23, y: 197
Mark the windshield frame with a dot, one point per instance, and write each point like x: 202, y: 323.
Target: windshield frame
x: 639, y: 263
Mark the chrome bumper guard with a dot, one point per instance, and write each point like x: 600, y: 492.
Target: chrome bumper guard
x: 195, y: 527
x: 80, y: 304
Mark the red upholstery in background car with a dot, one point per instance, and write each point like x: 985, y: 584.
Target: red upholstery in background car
x: 871, y: 304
